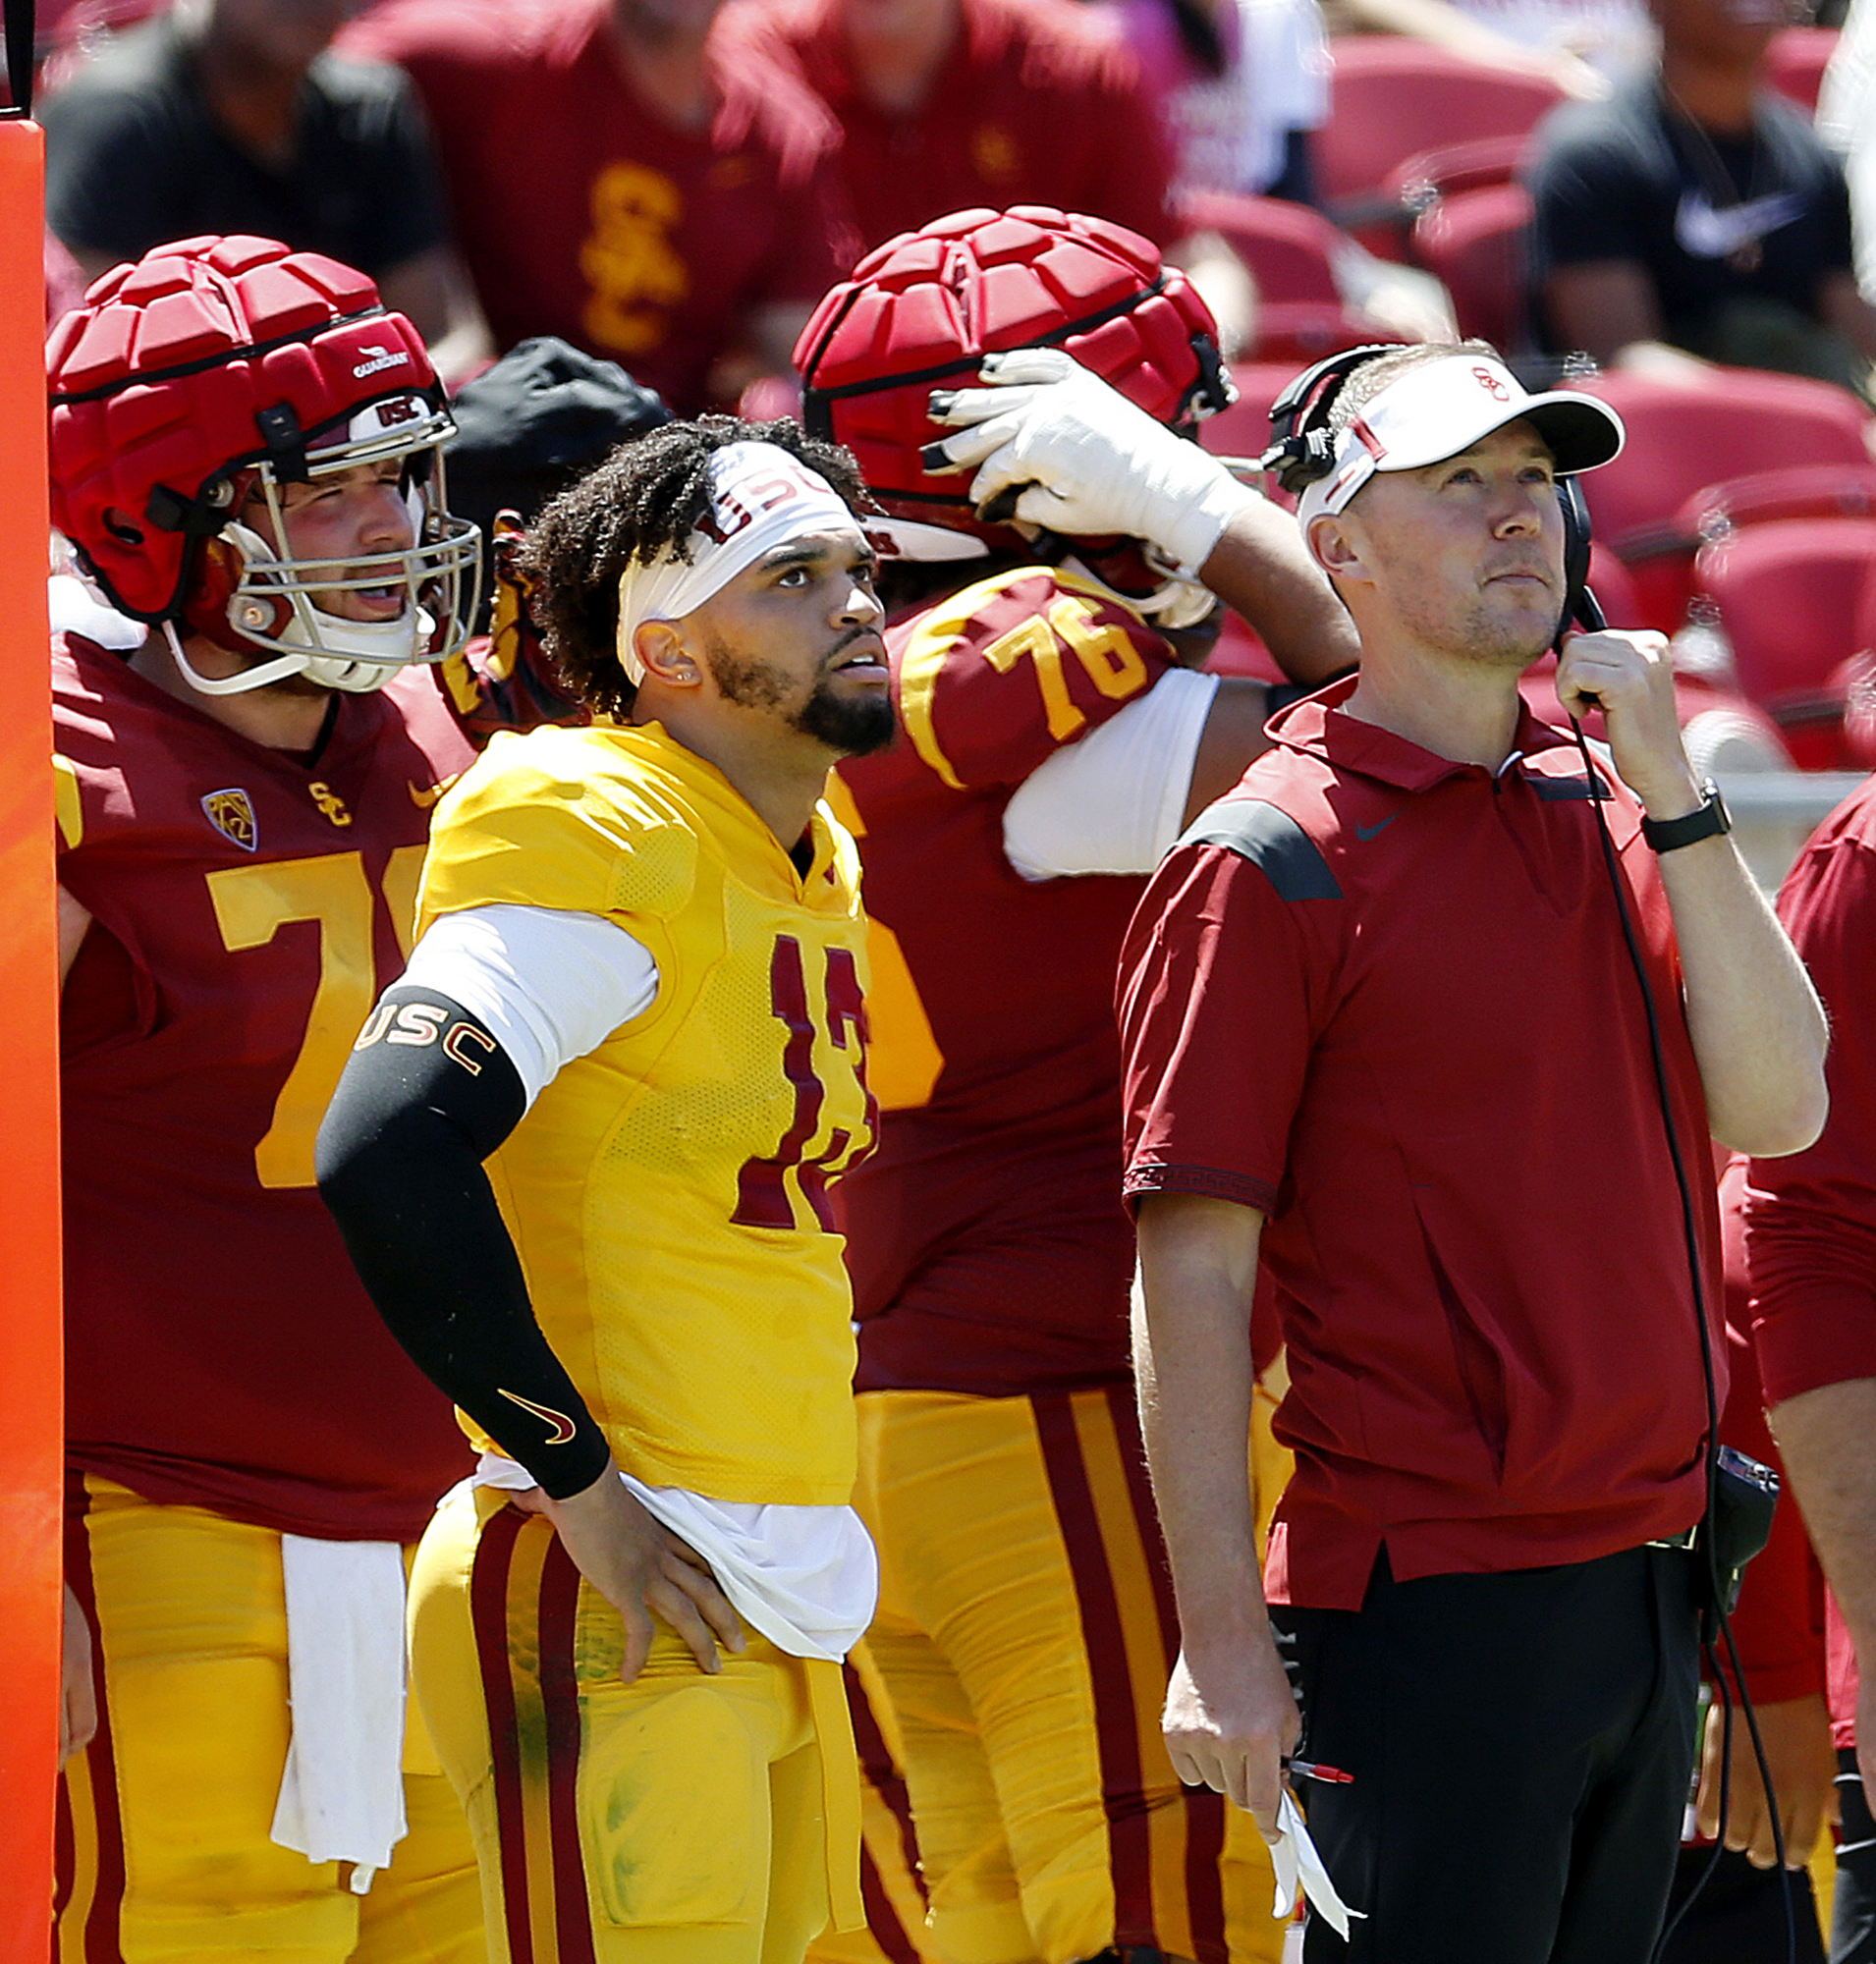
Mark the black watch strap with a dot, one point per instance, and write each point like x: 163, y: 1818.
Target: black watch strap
x: 1707, y: 821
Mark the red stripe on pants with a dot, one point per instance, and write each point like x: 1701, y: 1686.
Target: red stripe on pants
x: 560, y: 1702
x: 488, y: 1618
x: 1116, y: 1721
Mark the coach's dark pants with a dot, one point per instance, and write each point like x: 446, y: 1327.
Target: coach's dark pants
x: 1521, y: 1746
x: 1853, y: 1926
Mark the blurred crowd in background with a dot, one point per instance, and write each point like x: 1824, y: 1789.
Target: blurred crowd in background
x: 1642, y: 194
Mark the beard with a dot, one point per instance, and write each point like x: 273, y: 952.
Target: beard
x: 850, y: 725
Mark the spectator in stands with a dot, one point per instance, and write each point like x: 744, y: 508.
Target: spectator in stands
x: 945, y: 104
x: 1239, y: 82
x: 1581, y: 45
x: 234, y: 115
x: 1697, y: 214
x: 1847, y: 121
x: 651, y: 192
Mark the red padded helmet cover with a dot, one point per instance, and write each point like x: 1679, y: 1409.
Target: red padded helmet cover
x: 160, y: 379
x: 920, y: 311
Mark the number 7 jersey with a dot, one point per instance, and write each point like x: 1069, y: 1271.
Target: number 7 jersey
x: 246, y: 908
x: 988, y: 1246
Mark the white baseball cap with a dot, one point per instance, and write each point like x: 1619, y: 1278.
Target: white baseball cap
x: 1442, y: 407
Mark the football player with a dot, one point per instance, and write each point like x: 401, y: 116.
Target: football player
x: 1055, y: 744
x: 637, y: 996
x: 245, y: 454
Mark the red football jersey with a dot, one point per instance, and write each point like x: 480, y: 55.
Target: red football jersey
x: 1037, y: 102
x: 583, y: 213
x: 986, y: 1239
x: 247, y: 909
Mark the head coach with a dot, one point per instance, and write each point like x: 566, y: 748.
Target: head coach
x: 1385, y: 1034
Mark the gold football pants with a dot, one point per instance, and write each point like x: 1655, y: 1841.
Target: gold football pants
x: 1023, y: 1640
x: 681, y: 1819
x: 163, y: 1848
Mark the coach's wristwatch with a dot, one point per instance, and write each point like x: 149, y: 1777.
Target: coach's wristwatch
x: 1707, y: 820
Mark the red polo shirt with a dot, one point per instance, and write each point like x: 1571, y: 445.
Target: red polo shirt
x: 1383, y: 997
x: 1810, y: 1219
x: 1037, y: 102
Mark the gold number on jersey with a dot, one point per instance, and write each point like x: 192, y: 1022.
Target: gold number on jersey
x: 1107, y: 654
x: 1035, y: 638
x: 763, y: 1185
x: 252, y: 904
x: 1114, y: 664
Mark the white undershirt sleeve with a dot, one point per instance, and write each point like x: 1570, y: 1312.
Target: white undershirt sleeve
x: 1112, y: 801
x: 549, y: 985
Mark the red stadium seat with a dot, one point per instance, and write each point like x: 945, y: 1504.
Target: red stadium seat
x: 1684, y: 436
x: 1244, y: 429
x: 1761, y: 497
x: 1788, y: 595
x: 1300, y: 332
x: 1474, y: 241
x: 1800, y: 491
x: 1392, y: 98
x: 1455, y: 167
x: 1857, y: 679
x: 1289, y: 249
x: 1795, y: 61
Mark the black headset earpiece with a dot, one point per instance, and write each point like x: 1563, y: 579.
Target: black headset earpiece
x: 1581, y: 608
x: 1303, y: 450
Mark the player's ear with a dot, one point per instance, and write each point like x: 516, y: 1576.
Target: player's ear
x: 1335, y: 545
x: 664, y: 649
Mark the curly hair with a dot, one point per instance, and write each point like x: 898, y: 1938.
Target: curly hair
x: 646, y: 498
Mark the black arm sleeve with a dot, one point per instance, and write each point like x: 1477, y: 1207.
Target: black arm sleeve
x: 428, y: 1095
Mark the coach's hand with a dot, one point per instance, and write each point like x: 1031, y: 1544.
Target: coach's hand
x: 1797, y: 1732
x: 78, y: 1699
x: 1630, y: 678
x: 1231, y: 1723
x: 644, y: 1570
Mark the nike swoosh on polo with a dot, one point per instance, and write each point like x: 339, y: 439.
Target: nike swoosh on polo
x: 1707, y: 234
x: 423, y: 799
x: 1370, y: 831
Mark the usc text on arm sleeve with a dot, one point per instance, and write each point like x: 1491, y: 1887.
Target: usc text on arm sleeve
x: 424, y: 1099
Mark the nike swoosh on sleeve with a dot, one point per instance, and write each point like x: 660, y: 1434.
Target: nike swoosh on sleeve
x: 1365, y: 832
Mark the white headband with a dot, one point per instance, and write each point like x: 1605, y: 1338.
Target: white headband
x: 761, y: 498
x: 1442, y: 407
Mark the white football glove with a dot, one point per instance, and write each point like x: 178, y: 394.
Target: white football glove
x: 1086, y: 459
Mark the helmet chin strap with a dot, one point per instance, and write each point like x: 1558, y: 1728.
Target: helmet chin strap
x: 277, y: 670
x: 1176, y: 602
x: 347, y: 668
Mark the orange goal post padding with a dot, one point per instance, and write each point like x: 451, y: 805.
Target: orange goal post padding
x: 30, y: 1363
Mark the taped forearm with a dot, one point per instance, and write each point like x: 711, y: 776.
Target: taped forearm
x: 425, y: 1098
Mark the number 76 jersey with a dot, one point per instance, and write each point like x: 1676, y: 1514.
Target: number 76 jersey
x: 988, y: 1246
x: 246, y: 908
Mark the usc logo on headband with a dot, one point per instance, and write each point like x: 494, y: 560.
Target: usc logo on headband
x: 738, y: 503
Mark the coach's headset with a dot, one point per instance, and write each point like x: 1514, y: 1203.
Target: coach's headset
x: 1740, y: 1492
x: 1304, y: 451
